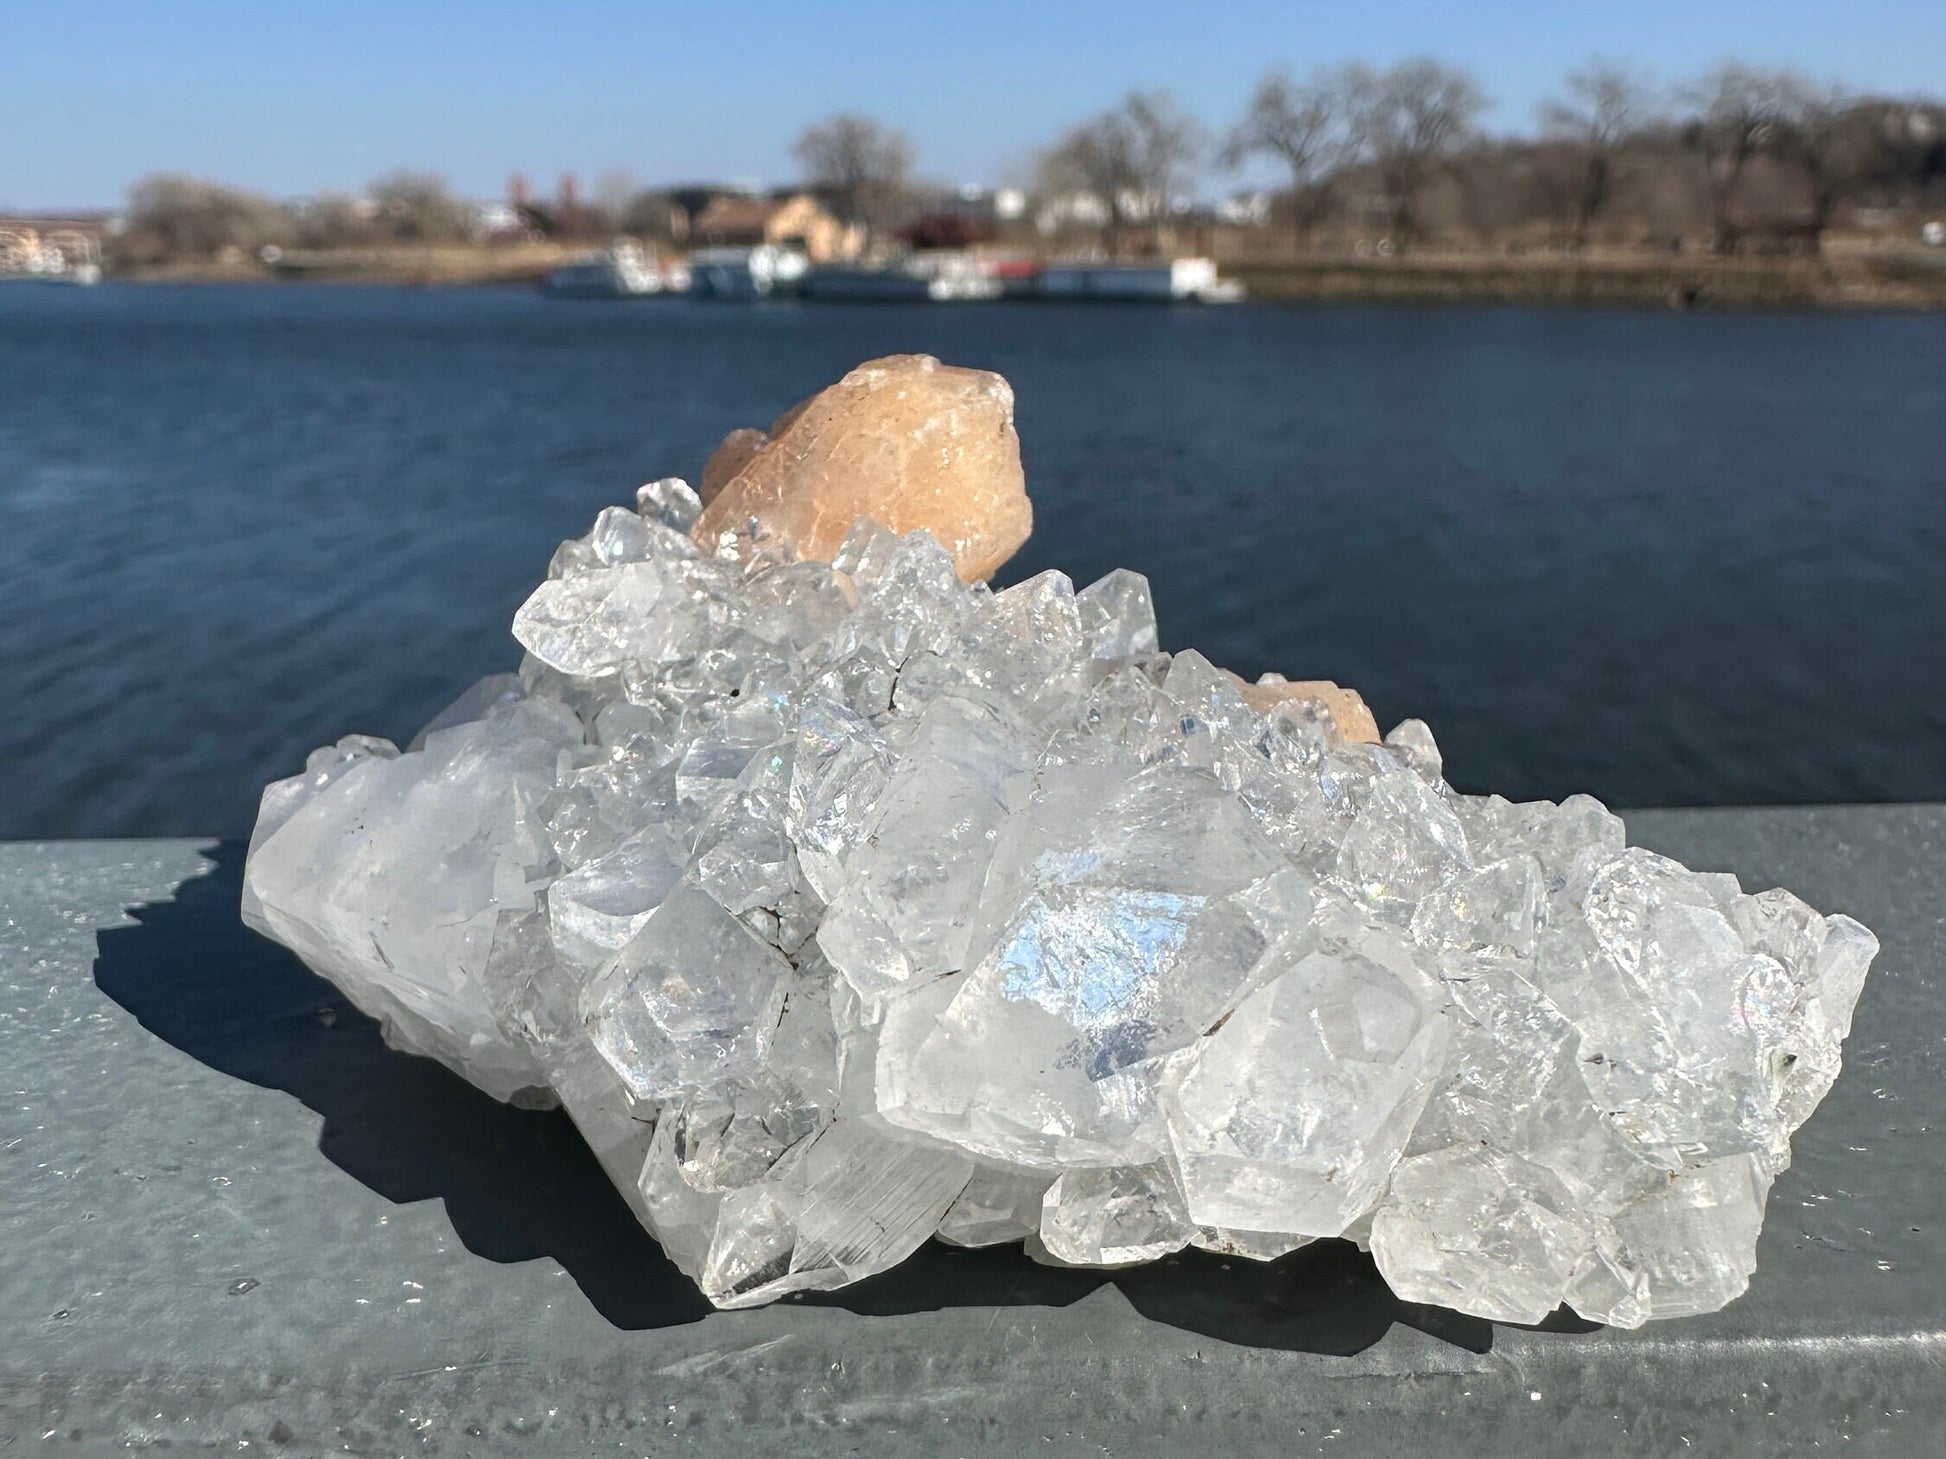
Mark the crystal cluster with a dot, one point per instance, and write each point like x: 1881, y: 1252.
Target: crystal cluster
x: 847, y: 904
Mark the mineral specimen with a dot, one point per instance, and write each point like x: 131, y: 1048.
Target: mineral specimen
x: 906, y: 441
x: 847, y: 903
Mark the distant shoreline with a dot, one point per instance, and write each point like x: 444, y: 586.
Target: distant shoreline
x: 1869, y: 281
x: 526, y: 263
x: 1906, y: 280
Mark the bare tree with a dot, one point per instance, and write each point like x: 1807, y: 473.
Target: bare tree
x: 332, y: 220
x: 1097, y: 160
x: 653, y: 215
x: 1604, y: 105
x: 1168, y: 144
x: 1096, y: 157
x: 417, y: 207
x: 1132, y: 158
x: 1829, y: 137
x: 1306, y: 126
x: 174, y: 217
x: 861, y: 164
x: 614, y: 191
x: 1735, y: 113
x: 1412, y: 119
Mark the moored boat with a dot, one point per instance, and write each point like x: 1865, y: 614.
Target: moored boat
x: 745, y: 273
x: 1162, y: 281
x: 61, y: 256
x: 942, y: 278
x: 620, y: 272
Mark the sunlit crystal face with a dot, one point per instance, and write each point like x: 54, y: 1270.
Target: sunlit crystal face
x: 691, y: 1000
x: 842, y: 905
x: 1483, y: 1228
x: 1096, y: 960
x: 1292, y: 1115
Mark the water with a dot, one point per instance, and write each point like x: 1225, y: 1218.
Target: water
x: 1667, y: 559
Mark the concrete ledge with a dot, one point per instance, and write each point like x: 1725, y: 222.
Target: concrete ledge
x: 233, y: 1217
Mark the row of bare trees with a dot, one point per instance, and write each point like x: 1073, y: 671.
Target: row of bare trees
x: 1393, y: 134
x: 1826, y: 135
x: 172, y: 217
x: 1364, y: 139
x: 1372, y: 146
x: 862, y: 168
x: 1404, y: 124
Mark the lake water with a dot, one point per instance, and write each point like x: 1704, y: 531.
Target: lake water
x: 1667, y: 559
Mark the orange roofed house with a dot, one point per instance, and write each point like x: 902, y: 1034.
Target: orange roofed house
x: 796, y: 220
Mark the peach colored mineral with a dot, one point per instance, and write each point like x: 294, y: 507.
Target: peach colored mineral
x: 906, y: 441
x: 1349, y: 711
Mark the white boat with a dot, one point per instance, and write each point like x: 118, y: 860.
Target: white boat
x: 62, y: 256
x: 745, y: 273
x: 1177, y: 280
x: 943, y: 278
x: 620, y: 272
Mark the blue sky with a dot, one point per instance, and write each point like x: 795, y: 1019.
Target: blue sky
x: 302, y: 98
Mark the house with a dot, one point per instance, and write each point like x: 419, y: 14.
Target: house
x: 1245, y: 209
x: 497, y: 221
x: 797, y: 220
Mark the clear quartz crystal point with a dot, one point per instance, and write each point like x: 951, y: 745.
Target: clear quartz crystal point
x: 998, y: 1205
x: 1117, y: 617
x: 669, y: 502
x: 1114, y: 1217
x: 846, y: 905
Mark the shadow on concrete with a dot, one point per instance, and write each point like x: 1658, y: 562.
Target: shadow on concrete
x: 520, y: 1185
x: 517, y: 1184
x: 1325, y: 1298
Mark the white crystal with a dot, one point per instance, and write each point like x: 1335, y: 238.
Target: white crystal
x: 390, y: 872
x: 910, y: 890
x: 1291, y: 1116
x: 1114, y: 1217
x: 998, y: 1205
x: 1117, y: 616
x: 669, y: 502
x: 845, y: 905
x: 595, y: 910
x: 1483, y: 1230
x: 689, y: 1001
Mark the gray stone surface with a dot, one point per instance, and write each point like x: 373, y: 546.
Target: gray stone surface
x: 231, y: 1219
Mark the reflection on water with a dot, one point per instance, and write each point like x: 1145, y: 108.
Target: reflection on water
x: 1668, y: 559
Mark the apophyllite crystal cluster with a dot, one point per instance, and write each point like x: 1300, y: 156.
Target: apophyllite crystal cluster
x: 844, y: 902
